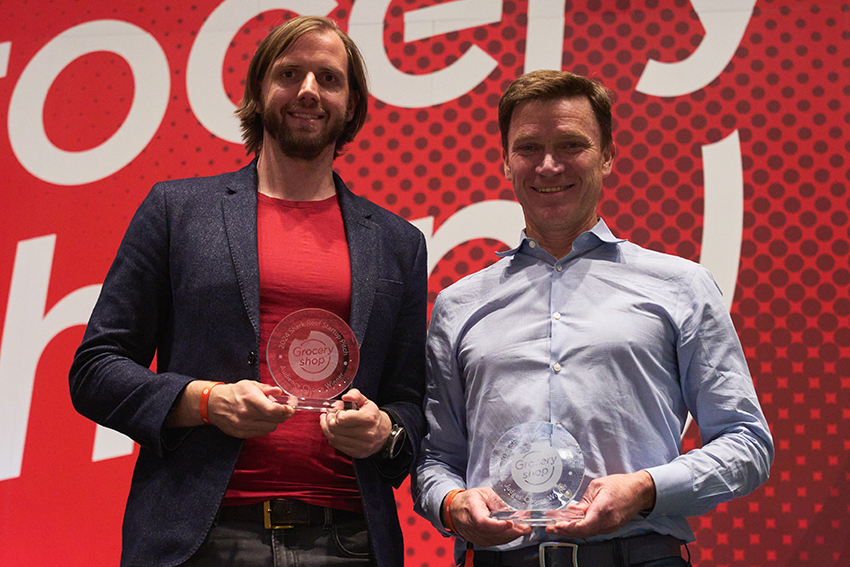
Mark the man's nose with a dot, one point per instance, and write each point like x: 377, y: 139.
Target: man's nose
x: 309, y: 88
x: 550, y: 165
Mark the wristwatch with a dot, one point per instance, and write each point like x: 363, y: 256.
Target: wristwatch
x: 395, y: 441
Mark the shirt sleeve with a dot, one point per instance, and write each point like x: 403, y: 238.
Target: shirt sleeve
x: 443, y: 461
x: 737, y: 448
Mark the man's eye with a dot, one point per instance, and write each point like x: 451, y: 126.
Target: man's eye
x: 574, y: 146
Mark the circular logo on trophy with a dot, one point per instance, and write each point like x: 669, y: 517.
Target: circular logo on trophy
x: 539, y: 469
x: 314, y: 358
x: 312, y: 354
x: 537, y: 466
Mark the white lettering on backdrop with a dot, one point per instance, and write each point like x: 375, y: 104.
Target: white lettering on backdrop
x: 393, y: 86
x: 725, y: 22
x: 27, y: 331
x: 27, y: 135
x: 5, y: 53
x: 149, y: 65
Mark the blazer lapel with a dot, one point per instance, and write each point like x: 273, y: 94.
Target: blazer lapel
x: 239, y: 206
x: 364, y: 252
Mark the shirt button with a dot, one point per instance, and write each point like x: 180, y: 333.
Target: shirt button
x: 556, y: 316
x: 252, y: 358
x: 559, y: 267
x: 532, y: 243
x: 556, y: 367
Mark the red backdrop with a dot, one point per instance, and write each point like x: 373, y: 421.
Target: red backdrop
x: 732, y: 120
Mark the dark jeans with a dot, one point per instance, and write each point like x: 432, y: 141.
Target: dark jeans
x: 238, y: 543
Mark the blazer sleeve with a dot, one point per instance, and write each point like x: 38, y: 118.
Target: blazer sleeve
x: 110, y: 378
x: 402, y: 384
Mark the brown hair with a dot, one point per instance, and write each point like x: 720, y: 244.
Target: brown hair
x: 546, y: 85
x: 274, y: 46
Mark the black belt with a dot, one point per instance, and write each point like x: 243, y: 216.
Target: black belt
x: 618, y: 552
x: 286, y: 514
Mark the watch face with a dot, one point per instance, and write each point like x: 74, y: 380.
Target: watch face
x: 395, y: 441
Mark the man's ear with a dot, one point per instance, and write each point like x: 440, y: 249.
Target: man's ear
x: 608, y: 154
x: 506, y: 167
x: 353, y: 99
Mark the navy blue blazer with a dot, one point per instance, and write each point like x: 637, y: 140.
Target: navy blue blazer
x: 185, y: 287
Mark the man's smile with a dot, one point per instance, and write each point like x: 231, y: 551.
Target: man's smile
x: 554, y: 189
x: 306, y: 114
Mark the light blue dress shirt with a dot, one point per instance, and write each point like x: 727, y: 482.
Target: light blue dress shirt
x: 615, y: 342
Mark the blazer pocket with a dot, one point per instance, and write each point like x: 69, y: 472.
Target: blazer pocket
x: 390, y: 287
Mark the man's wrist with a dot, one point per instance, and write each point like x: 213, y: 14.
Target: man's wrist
x: 649, y: 494
x: 186, y: 409
x: 446, y: 510
x: 203, y: 405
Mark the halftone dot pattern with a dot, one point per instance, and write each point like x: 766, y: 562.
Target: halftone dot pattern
x: 786, y: 91
x: 101, y: 104
x: 464, y: 259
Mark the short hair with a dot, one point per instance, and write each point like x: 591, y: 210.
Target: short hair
x: 547, y: 85
x: 274, y: 46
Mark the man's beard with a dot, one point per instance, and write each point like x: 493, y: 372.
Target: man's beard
x: 302, y: 145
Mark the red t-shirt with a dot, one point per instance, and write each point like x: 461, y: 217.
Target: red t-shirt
x: 304, y: 263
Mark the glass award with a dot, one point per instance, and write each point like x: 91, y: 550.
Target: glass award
x: 313, y: 356
x: 536, y: 468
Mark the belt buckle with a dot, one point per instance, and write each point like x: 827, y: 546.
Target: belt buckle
x: 555, y: 544
x: 267, y: 518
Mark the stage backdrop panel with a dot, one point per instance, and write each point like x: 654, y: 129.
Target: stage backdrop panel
x: 732, y: 120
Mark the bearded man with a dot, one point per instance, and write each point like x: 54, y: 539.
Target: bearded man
x: 206, y: 270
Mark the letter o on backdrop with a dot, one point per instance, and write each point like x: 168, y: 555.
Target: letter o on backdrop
x: 27, y: 135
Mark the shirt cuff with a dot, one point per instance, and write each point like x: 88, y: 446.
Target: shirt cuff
x: 674, y: 490
x: 435, y: 505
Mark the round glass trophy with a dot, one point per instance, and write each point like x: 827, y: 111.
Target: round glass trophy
x: 313, y: 356
x: 536, y: 468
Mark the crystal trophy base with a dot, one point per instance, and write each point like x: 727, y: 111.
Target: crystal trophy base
x: 315, y: 404
x: 536, y: 468
x: 538, y: 517
x: 313, y: 356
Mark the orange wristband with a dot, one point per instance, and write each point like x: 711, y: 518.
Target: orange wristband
x: 447, y: 507
x: 205, y: 401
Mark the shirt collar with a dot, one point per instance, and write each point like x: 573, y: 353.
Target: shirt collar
x: 588, y: 240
